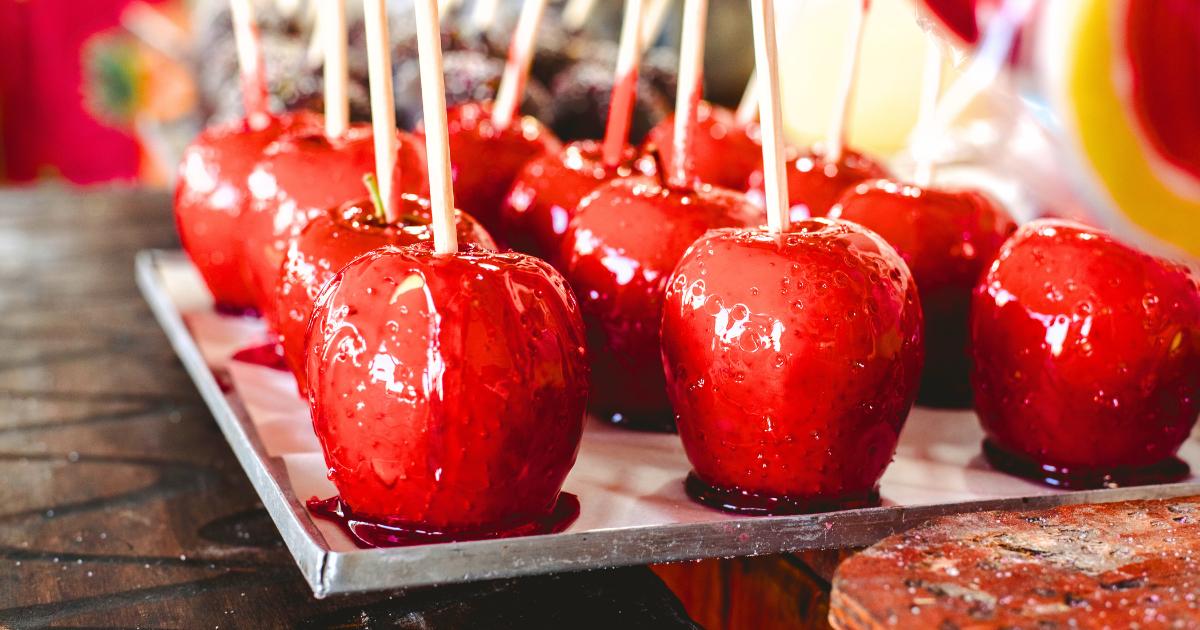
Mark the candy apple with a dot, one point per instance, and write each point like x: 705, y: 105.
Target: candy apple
x: 618, y: 252
x: 300, y: 177
x: 792, y: 361
x: 1086, y: 358
x: 448, y: 391
x: 947, y: 238
x: 487, y: 159
x: 547, y: 191
x: 211, y: 195
x: 333, y: 239
x: 815, y: 184
x: 723, y: 153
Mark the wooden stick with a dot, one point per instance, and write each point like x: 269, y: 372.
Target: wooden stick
x: 576, y: 13
x: 931, y: 87
x: 835, y: 138
x: 652, y: 23
x: 516, y: 69
x: 687, y: 98
x: 766, y: 58
x: 250, y: 61
x: 437, y: 137
x: 337, y: 70
x: 383, y: 108
x: 624, y: 93
x: 747, y: 110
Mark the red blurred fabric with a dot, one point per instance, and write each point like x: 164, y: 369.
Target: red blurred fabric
x: 46, y: 126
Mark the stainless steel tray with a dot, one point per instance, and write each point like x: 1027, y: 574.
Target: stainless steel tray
x: 634, y: 510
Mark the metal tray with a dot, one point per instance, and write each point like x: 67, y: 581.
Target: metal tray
x: 633, y: 508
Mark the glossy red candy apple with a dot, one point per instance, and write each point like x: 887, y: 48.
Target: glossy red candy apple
x: 723, y: 153
x: 333, y: 239
x: 815, y: 184
x: 487, y: 159
x: 211, y: 194
x: 947, y: 238
x: 300, y: 177
x: 448, y: 392
x: 1087, y: 358
x: 792, y: 362
x: 618, y: 253
x: 547, y: 191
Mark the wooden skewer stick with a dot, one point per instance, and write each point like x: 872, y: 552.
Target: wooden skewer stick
x: 332, y: 22
x: 687, y: 98
x: 383, y: 108
x: 516, y: 69
x: 931, y: 87
x: 624, y: 93
x: 437, y: 136
x: 766, y: 58
x: 250, y: 61
x: 652, y: 23
x: 835, y: 138
x: 576, y: 13
x: 747, y: 110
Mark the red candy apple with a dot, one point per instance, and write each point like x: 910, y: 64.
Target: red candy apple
x: 330, y: 242
x: 723, y: 153
x: 618, y: 253
x: 947, y: 238
x: 547, y: 191
x: 1087, y: 358
x: 300, y: 177
x: 792, y: 362
x: 487, y: 159
x: 815, y: 184
x: 448, y: 391
x: 211, y: 195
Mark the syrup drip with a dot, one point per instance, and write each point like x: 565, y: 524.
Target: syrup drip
x: 1168, y: 470
x: 268, y: 355
x: 753, y: 504
x: 368, y: 533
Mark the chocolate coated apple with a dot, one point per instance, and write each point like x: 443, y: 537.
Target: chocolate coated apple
x: 792, y: 362
x: 300, y: 177
x: 582, y: 98
x: 333, y: 239
x: 618, y: 252
x: 448, y: 392
x: 815, y: 184
x: 947, y: 238
x: 211, y: 194
x: 723, y: 153
x: 1087, y: 358
x: 487, y: 160
x: 547, y: 191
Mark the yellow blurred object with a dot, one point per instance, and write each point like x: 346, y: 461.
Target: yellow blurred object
x: 812, y: 40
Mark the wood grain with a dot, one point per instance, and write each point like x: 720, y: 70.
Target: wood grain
x: 122, y: 506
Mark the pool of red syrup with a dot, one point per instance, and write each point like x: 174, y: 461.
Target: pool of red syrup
x: 235, y: 311
x: 753, y: 504
x: 1168, y: 470
x: 267, y: 355
x: 369, y: 534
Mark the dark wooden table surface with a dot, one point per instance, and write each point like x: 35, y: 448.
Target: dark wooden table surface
x: 122, y: 506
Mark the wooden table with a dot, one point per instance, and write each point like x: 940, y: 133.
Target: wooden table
x: 1131, y: 564
x: 121, y: 505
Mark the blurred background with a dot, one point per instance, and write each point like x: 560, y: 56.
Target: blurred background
x: 1093, y: 117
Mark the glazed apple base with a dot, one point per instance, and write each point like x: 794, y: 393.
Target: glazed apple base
x: 368, y: 533
x: 754, y: 504
x: 1168, y: 470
